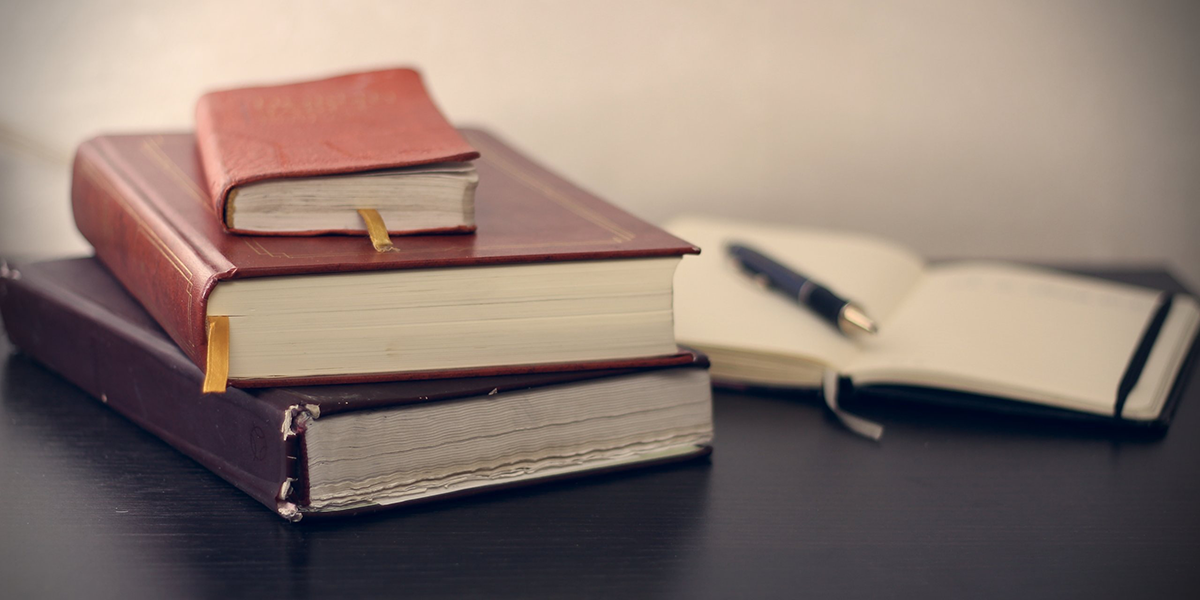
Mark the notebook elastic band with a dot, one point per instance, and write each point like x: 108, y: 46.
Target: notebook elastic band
x: 1137, y: 362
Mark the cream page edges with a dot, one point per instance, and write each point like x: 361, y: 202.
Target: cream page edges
x: 445, y: 318
x: 1054, y: 339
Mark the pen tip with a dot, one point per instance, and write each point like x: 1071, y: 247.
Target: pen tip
x: 853, y: 318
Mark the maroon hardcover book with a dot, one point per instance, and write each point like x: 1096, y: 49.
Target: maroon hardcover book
x: 341, y: 125
x: 72, y: 316
x: 141, y: 201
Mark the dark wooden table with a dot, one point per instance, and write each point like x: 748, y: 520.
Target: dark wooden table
x: 950, y: 504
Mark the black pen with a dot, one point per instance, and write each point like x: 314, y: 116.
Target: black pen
x: 844, y: 314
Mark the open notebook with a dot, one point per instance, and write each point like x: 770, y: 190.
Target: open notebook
x: 968, y: 330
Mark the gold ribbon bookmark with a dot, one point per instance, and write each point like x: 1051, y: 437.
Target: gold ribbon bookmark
x: 216, y: 371
x: 376, y: 229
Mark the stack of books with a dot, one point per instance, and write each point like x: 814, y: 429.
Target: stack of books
x: 500, y: 327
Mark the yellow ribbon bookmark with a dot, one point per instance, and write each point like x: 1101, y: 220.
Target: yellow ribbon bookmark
x: 216, y: 371
x: 376, y: 229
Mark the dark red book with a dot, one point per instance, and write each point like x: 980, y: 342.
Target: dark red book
x: 337, y: 449
x: 555, y: 278
x: 300, y: 158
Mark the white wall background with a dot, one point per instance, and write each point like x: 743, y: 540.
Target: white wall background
x: 1049, y: 130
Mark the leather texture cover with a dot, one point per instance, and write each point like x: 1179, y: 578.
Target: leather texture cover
x: 140, y: 201
x: 347, y: 124
x: 72, y: 316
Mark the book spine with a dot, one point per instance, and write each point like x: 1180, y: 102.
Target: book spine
x: 238, y: 436
x: 150, y: 258
x: 216, y: 173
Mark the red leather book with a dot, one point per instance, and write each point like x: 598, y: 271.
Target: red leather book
x: 141, y: 201
x: 74, y: 318
x: 342, y: 125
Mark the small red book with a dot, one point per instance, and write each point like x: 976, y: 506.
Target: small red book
x: 303, y: 158
x: 556, y: 279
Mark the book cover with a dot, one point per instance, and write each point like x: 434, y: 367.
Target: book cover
x: 340, y: 125
x: 72, y: 316
x: 141, y: 202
